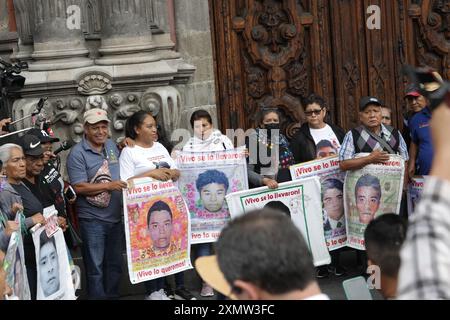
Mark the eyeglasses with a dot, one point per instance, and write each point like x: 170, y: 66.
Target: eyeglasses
x: 386, y: 118
x: 310, y: 113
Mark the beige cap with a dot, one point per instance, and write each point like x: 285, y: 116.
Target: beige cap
x: 95, y: 115
x: 433, y: 86
x: 208, y: 269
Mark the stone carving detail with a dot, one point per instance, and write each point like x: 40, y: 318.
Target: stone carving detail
x: 91, y: 19
x: 165, y: 104
x: 93, y: 102
x: 94, y: 84
x: 66, y: 113
x: 25, y: 27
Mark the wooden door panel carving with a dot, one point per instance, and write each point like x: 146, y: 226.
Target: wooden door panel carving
x: 273, y: 53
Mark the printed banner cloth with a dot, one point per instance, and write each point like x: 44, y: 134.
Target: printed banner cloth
x: 157, y: 230
x: 14, y: 266
x: 415, y: 189
x: 300, y: 200
x: 206, y: 178
x: 332, y: 181
x: 370, y: 192
x: 54, y: 274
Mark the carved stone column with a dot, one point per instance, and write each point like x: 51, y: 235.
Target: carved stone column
x: 126, y: 36
x: 25, y: 20
x: 58, y: 44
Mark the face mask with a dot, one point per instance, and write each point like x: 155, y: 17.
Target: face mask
x: 272, y: 126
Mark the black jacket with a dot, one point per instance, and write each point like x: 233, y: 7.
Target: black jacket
x: 303, y: 146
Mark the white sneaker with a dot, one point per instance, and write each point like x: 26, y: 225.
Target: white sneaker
x: 163, y: 295
x: 157, y: 295
x: 207, y: 290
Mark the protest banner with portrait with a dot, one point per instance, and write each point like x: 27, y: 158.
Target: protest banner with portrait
x: 54, y: 274
x: 14, y: 265
x: 157, y: 230
x: 415, y: 188
x: 206, y: 178
x: 332, y: 182
x: 300, y: 200
x: 370, y: 192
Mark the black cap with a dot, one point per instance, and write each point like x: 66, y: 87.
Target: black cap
x: 31, y: 145
x: 43, y: 136
x: 365, y: 101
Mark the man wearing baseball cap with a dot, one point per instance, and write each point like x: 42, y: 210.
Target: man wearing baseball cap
x: 50, y: 180
x: 421, y: 148
x: 415, y: 102
x: 371, y: 137
x: 93, y: 169
x: 33, y: 201
x: 374, y: 138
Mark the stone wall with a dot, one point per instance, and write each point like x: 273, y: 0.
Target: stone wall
x: 7, y: 39
x: 193, y: 38
x: 194, y: 44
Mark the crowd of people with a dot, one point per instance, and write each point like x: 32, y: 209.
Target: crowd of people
x: 240, y: 264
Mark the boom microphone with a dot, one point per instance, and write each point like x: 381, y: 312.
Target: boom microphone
x: 65, y: 145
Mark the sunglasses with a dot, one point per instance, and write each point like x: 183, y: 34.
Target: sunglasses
x: 316, y: 112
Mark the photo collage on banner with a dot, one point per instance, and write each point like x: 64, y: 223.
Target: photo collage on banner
x: 206, y: 178
x: 370, y: 192
x: 14, y: 266
x: 157, y: 229
x: 415, y: 189
x: 300, y: 200
x: 54, y: 272
x: 332, y: 182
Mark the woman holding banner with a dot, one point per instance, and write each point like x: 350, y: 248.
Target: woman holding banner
x: 16, y: 192
x: 269, y: 153
x: 148, y: 158
x: 317, y: 139
x: 206, y: 139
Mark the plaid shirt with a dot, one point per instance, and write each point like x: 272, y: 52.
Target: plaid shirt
x: 425, y: 256
x: 347, y: 150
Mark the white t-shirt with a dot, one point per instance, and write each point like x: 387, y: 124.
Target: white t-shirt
x: 326, y: 133
x: 137, y: 160
x: 215, y: 142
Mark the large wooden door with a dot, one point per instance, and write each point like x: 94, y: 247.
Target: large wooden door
x: 274, y: 53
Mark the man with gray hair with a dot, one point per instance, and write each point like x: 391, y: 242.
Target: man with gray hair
x: 93, y: 169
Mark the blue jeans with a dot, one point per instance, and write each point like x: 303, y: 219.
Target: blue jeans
x: 102, y: 256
